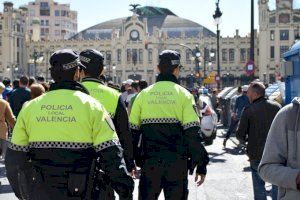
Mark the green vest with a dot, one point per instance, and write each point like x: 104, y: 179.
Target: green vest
x: 164, y: 102
x: 107, y: 96
x: 63, y: 119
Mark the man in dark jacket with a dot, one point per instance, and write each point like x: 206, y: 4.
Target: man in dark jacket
x: 254, y: 126
x: 19, y: 96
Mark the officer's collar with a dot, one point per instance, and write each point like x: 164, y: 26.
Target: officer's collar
x: 68, y: 85
x: 92, y: 80
x: 259, y: 99
x: 164, y: 77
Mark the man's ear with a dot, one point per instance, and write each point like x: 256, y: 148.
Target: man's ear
x: 77, y: 74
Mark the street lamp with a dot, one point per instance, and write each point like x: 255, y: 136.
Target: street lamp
x: 37, y: 57
x: 217, y: 18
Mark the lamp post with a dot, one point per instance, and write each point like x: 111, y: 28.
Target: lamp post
x: 217, y: 18
x: 36, y: 55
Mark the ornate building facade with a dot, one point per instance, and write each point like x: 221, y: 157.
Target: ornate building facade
x: 279, y: 26
x: 131, y: 45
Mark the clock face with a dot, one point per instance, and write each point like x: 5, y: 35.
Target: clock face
x: 134, y: 34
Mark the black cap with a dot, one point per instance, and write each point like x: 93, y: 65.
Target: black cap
x: 169, y: 58
x: 92, y: 60
x: 65, y: 60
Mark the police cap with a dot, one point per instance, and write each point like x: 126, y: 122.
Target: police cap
x: 169, y: 58
x: 63, y: 64
x: 93, y: 61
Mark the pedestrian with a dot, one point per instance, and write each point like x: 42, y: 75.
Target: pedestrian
x: 36, y: 90
x: 113, y: 103
x: 253, y: 129
x: 166, y: 126
x: 61, y: 135
x: 7, y: 120
x: 280, y: 163
x: 241, y: 102
x: 134, y: 91
x: 19, y: 96
x: 142, y: 85
x: 127, y: 89
x: 2, y: 88
x: 214, y: 100
x: 31, y: 81
x: 8, y: 88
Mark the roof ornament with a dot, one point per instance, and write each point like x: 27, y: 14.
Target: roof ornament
x: 134, y: 8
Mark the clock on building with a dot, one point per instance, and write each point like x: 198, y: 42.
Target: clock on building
x: 134, y: 35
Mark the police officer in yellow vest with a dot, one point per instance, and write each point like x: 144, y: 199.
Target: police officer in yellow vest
x: 164, y: 114
x: 60, y: 135
x: 111, y: 100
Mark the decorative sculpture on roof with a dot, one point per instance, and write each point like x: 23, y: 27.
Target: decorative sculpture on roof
x: 134, y: 7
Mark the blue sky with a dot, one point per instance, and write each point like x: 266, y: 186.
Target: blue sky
x: 236, y: 13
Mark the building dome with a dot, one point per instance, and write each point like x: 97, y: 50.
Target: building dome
x: 162, y: 18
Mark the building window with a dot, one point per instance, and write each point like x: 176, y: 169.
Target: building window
x: 272, y: 52
x: 42, y: 31
x: 31, y: 13
x: 243, y: 55
x: 272, y: 20
x: 64, y: 13
x: 57, y: 32
x: 134, y: 56
x: 284, y: 18
x: 141, y: 54
x: 224, y: 55
x: 0, y: 27
x: 150, y: 55
x: 188, y: 57
x: 18, y: 57
x: 119, y: 55
x: 47, y: 23
x: 18, y: 42
x: 57, y: 23
x: 0, y: 41
x: 128, y: 56
x: 296, y: 34
x: 272, y: 35
x: 44, y: 5
x: 57, y: 13
x: 108, y: 57
x: 283, y: 49
x: 231, y: 55
x: 42, y: 22
x: 284, y: 34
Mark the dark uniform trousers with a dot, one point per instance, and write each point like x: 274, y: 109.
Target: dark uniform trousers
x: 169, y: 176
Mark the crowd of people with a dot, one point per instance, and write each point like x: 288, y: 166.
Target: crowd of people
x: 81, y: 136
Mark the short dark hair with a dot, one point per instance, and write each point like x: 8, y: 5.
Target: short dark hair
x: 258, y: 88
x: 58, y: 74
x: 40, y: 78
x: 143, y: 84
x: 135, y: 85
x: 166, y: 69
x: 6, y: 82
x: 240, y: 89
x: 31, y: 80
x: 24, y: 80
x: 16, y: 83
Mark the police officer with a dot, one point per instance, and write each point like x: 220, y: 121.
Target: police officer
x: 112, y: 101
x: 60, y: 135
x: 165, y: 116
